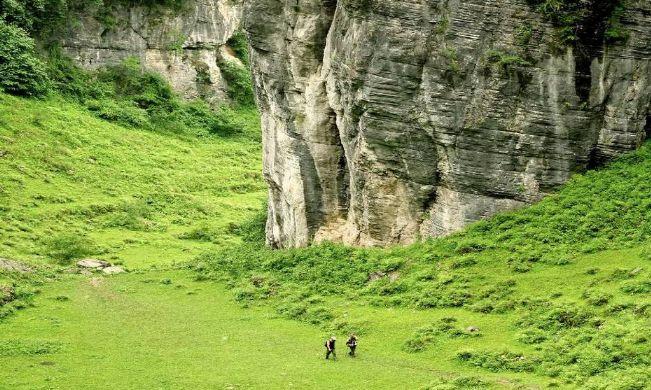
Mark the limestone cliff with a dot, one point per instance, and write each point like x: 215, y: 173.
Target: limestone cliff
x: 183, y: 45
x: 389, y: 120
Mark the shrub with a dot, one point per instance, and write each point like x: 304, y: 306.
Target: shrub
x: 425, y: 336
x: 240, y: 46
x: 65, y: 248
x: 637, y: 287
x: 17, y: 347
x: 505, y: 61
x: 460, y: 383
x: 239, y: 84
x: 121, y: 112
x: 201, y: 233
x: 21, y: 72
x: 498, y: 361
x: 557, y: 317
x: 577, y: 22
x: 147, y: 90
x: 596, y: 298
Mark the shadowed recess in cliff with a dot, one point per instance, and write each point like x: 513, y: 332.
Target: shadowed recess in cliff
x: 587, y: 26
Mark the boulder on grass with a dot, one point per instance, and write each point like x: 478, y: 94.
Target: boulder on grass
x: 14, y: 266
x: 93, y: 263
x: 113, y: 270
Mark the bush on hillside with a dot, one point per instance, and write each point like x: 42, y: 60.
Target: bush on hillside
x: 21, y: 72
x: 129, y: 95
x: 147, y: 90
x: 240, y: 46
x: 47, y: 19
x: 66, y: 248
x: 239, y: 84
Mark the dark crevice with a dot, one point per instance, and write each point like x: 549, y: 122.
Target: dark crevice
x: 647, y: 127
x: 595, y: 159
x: 430, y: 199
x: 590, y: 39
x: 583, y: 77
x: 343, y: 183
x: 320, y: 37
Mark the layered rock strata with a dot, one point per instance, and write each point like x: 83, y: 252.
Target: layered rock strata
x: 183, y: 45
x: 387, y: 121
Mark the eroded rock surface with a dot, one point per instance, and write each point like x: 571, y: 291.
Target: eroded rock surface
x: 185, y: 46
x: 386, y: 121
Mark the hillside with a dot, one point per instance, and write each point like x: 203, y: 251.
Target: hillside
x: 560, y: 290
x: 72, y: 182
x: 213, y: 158
x: 556, y: 294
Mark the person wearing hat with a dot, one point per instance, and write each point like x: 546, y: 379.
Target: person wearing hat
x: 330, y: 348
x: 352, y: 344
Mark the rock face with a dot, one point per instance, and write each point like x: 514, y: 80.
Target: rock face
x: 184, y: 46
x: 386, y: 121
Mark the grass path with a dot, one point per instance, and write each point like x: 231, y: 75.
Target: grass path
x: 134, y: 331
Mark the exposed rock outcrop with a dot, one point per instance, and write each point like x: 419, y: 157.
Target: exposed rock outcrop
x: 386, y: 121
x: 185, y: 46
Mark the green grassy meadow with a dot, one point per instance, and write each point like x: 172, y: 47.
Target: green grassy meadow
x: 558, y: 293
x: 137, y: 197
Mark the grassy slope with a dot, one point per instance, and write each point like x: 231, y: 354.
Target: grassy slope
x: 564, y: 286
x: 132, y: 192
x: 199, y: 340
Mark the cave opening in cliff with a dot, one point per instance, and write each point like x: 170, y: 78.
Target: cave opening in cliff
x: 647, y: 127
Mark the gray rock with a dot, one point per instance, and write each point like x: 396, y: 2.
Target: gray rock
x: 386, y: 121
x: 472, y: 329
x: 14, y: 266
x: 113, y: 270
x: 183, y: 46
x: 93, y: 264
x: 7, y: 294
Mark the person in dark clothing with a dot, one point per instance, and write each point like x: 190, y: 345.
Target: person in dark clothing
x: 352, y: 344
x: 330, y: 348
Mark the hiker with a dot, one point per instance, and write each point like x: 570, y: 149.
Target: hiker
x: 330, y: 348
x: 352, y: 344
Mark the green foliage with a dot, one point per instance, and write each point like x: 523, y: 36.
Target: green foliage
x: 66, y: 248
x: 425, y: 336
x: 252, y: 230
x: 584, y: 22
x: 460, y: 383
x: 122, y: 112
x: 16, y: 347
x: 47, y: 19
x: 498, y: 361
x: 239, y: 84
x: 240, y: 46
x: 524, y: 34
x: 129, y: 95
x: 505, y: 61
x: 494, y: 266
x: 21, y: 72
x: 200, y: 233
x: 131, y: 191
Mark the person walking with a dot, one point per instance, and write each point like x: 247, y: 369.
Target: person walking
x: 330, y: 348
x: 352, y: 344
